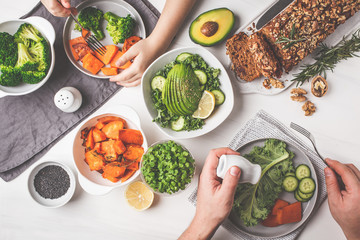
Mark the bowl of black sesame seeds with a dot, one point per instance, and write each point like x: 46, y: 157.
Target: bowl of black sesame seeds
x: 51, y: 184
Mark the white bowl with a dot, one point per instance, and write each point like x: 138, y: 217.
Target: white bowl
x: 48, y: 32
x: 47, y: 202
x: 220, y: 113
x: 92, y: 181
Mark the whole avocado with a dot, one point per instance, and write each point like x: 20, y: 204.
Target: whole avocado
x: 212, y: 27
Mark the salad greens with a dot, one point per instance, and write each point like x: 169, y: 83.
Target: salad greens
x: 253, y: 202
x: 165, y: 117
x: 167, y: 167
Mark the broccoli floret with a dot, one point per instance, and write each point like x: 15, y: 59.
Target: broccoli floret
x: 8, y: 49
x: 27, y: 32
x: 10, y: 76
x: 91, y: 18
x: 32, y: 77
x: 40, y: 52
x: 25, y: 62
x: 119, y: 28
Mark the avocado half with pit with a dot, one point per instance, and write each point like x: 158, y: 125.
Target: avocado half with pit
x: 211, y: 27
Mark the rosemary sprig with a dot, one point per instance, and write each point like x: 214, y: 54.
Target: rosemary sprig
x: 328, y: 57
x: 291, y: 40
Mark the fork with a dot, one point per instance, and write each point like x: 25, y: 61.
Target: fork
x: 307, y: 134
x: 91, y: 40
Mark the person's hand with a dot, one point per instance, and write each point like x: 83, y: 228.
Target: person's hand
x: 57, y: 9
x: 344, y: 205
x: 143, y: 54
x: 215, y: 197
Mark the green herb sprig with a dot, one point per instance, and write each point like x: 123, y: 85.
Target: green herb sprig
x: 328, y: 57
x: 291, y: 40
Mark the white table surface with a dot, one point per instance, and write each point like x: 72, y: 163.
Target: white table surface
x: 335, y: 126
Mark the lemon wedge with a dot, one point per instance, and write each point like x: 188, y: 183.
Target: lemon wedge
x: 206, y: 105
x: 139, y: 196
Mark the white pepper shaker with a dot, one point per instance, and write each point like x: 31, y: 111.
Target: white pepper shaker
x: 68, y: 99
x: 249, y: 172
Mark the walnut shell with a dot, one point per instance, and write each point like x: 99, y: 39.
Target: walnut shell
x: 319, y: 86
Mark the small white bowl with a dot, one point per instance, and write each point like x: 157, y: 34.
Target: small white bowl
x: 220, y: 113
x: 47, y: 202
x: 47, y: 31
x: 92, y: 181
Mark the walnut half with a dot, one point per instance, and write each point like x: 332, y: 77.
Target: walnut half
x: 319, y: 86
x: 309, y: 108
x: 298, y: 94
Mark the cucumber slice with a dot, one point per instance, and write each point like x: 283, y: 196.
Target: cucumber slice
x: 290, y: 174
x: 307, y: 185
x: 182, y: 56
x: 290, y: 184
x: 302, y: 171
x: 179, y: 124
x: 305, y: 196
x: 219, y: 97
x: 158, y: 82
x: 297, y: 197
x: 201, y: 75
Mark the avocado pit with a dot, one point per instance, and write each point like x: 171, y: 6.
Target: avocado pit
x: 209, y: 28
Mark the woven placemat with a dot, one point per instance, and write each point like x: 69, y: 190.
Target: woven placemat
x: 31, y: 124
x: 262, y: 126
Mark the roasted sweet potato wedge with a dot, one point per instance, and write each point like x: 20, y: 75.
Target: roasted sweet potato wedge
x: 105, y: 120
x: 114, y: 169
x: 94, y: 160
x: 98, y: 135
x: 131, y: 136
x: 133, y: 152
x: 89, y: 144
x: 108, y: 148
x: 119, y: 147
x: 112, y: 129
x: 128, y: 174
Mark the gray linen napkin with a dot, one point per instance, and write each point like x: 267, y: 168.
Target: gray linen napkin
x: 265, y: 126
x: 31, y: 124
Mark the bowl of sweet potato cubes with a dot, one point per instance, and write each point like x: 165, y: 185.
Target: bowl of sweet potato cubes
x: 107, y: 152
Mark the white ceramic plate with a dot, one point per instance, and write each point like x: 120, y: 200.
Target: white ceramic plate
x: 92, y: 181
x: 220, y: 113
x: 307, y: 207
x: 47, y: 202
x: 48, y: 32
x: 117, y: 7
x: 346, y: 29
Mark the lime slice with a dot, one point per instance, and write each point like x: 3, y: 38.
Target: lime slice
x: 206, y: 105
x: 139, y: 196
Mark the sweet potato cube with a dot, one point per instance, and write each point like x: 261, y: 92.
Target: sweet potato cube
x: 94, y: 160
x: 128, y: 174
x: 289, y: 214
x: 111, y: 50
x: 74, y: 41
x: 133, y: 152
x: 97, y: 147
x: 105, y: 120
x: 114, y: 169
x: 131, y: 136
x: 112, y: 129
x: 108, y: 148
x: 278, y: 204
x: 119, y: 147
x: 89, y: 144
x: 98, y: 135
x: 92, y: 64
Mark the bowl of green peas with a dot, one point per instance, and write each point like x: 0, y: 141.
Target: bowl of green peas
x: 167, y: 168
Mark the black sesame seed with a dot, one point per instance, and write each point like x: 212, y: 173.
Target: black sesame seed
x: 52, y: 182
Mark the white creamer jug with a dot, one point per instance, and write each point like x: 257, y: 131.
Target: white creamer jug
x: 249, y: 172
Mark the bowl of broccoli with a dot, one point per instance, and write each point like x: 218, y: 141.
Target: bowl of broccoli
x: 26, y: 55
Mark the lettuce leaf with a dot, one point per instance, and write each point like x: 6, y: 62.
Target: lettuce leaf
x: 253, y: 202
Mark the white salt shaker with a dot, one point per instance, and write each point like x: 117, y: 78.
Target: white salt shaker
x: 249, y: 172
x: 68, y: 99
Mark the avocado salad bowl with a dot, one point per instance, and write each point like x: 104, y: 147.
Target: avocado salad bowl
x: 187, y: 92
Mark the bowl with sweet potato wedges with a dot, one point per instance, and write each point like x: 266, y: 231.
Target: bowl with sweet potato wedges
x: 107, y: 152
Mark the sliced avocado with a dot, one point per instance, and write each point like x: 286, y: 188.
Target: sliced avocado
x: 179, y: 96
x: 175, y: 98
x: 191, y: 90
x: 211, y: 27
